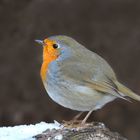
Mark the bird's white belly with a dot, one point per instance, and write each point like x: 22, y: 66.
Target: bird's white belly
x: 78, y: 98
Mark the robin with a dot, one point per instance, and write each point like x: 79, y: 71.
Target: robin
x: 78, y: 78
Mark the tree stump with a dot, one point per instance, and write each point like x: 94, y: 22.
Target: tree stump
x: 90, y: 131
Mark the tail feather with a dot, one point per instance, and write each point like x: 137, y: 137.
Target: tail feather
x: 124, y: 91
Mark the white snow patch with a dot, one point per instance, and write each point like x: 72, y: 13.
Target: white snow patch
x: 59, y: 137
x: 25, y: 132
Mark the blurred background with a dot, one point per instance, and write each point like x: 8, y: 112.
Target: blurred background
x: 110, y: 28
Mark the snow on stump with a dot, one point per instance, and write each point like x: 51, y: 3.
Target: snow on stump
x: 91, y: 131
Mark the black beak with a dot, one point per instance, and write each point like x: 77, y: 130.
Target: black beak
x: 39, y: 42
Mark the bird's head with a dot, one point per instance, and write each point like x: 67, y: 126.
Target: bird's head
x: 51, y: 49
x: 56, y: 46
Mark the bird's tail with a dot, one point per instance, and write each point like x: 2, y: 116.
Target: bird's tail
x: 124, y: 91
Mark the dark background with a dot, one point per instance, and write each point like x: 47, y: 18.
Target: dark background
x: 110, y: 28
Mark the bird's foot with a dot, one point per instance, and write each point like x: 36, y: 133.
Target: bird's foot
x: 74, y: 124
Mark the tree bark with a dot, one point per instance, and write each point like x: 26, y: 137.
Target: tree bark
x: 90, y: 131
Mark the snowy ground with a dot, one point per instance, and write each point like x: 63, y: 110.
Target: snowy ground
x: 25, y: 132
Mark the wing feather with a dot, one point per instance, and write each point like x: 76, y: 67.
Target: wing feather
x: 92, y: 76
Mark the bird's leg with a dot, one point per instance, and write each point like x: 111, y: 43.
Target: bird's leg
x: 77, y: 116
x: 77, y: 123
x: 87, y: 116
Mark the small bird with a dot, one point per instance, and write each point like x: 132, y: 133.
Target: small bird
x: 77, y: 78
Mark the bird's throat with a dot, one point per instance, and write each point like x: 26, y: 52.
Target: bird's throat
x: 47, y: 59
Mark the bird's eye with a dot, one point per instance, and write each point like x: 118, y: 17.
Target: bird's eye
x: 55, y: 46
